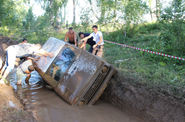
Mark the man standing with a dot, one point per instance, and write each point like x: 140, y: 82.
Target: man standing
x: 98, y: 38
x: 72, y: 36
x: 90, y: 41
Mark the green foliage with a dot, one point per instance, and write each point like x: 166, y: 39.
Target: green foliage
x: 134, y: 9
x: 145, y: 28
x: 7, y: 13
x: 29, y: 22
x: 43, y: 22
x: 172, y: 35
x: 85, y: 19
x: 52, y: 8
x: 33, y: 36
x: 143, y: 32
x: 10, y: 14
x: 138, y: 67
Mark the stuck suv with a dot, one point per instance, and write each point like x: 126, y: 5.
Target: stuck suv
x: 76, y: 75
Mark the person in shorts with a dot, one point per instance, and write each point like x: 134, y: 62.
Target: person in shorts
x: 71, y: 35
x: 98, y: 38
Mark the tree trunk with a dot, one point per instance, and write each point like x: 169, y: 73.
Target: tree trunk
x: 61, y: 16
x: 115, y: 15
x: 55, y: 24
x: 115, y: 10
x: 73, y: 11
x: 50, y: 12
x: 64, y: 15
x: 150, y: 7
x: 151, y: 15
x: 107, y: 30
x: 90, y: 2
x: 158, y: 9
x: 102, y: 14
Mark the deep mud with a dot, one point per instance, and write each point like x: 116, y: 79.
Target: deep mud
x: 49, y: 107
x: 144, y: 103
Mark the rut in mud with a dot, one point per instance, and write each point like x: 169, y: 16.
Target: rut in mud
x: 144, y: 103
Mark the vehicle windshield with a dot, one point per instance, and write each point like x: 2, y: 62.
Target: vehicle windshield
x: 61, y: 63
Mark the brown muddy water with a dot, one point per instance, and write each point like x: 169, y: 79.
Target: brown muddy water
x: 47, y: 106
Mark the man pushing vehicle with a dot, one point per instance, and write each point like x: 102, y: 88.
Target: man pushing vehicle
x: 71, y: 34
x: 89, y: 41
x: 98, y: 38
x: 19, y: 51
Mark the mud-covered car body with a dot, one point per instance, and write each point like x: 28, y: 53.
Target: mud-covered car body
x: 76, y: 75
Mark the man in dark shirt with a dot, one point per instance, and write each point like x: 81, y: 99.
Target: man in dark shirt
x: 90, y: 41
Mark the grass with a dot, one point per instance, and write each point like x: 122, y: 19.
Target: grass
x: 141, y: 68
x: 33, y: 36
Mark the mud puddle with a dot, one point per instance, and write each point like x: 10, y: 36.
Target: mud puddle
x: 47, y: 106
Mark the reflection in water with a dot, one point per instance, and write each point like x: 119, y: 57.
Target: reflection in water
x: 47, y: 106
x: 61, y: 64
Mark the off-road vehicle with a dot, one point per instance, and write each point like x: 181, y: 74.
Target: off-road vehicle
x: 75, y: 74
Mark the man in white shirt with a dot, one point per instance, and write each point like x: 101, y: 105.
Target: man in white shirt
x: 98, y: 38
